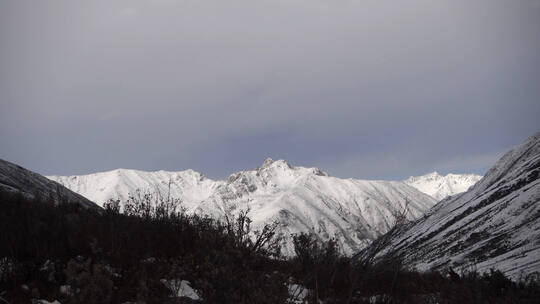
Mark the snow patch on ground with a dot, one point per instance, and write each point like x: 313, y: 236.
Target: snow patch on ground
x: 181, y: 288
x: 47, y: 302
x: 297, y: 293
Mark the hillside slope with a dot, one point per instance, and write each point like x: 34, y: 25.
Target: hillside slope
x: 189, y: 186
x: 16, y: 179
x: 495, y: 224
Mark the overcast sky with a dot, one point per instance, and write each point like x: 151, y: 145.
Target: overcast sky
x: 367, y: 89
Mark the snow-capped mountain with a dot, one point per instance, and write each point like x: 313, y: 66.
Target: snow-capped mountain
x: 442, y: 186
x: 495, y: 224
x: 189, y: 186
x: 16, y: 179
x: 308, y: 200
x: 301, y: 199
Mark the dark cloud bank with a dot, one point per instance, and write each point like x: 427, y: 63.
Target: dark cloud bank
x: 368, y: 89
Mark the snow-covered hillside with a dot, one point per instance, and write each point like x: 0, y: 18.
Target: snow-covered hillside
x: 495, y: 224
x: 301, y: 199
x: 442, y: 186
x: 189, y: 186
x: 308, y: 200
x: 16, y: 179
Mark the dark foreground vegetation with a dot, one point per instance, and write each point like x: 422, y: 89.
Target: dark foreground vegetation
x: 76, y: 255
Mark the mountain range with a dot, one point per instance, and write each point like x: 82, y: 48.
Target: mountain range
x: 494, y: 224
x: 301, y: 199
x: 192, y: 187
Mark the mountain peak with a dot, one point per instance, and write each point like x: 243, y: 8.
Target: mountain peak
x: 282, y: 164
x: 439, y: 186
x: 433, y: 174
x: 269, y: 162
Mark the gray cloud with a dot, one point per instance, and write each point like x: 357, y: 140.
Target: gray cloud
x: 370, y: 89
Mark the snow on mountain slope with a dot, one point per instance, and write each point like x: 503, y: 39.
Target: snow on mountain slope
x: 189, y: 186
x: 440, y: 186
x: 495, y: 224
x: 14, y: 178
x: 307, y: 200
x: 301, y: 199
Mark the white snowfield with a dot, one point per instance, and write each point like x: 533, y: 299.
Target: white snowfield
x: 181, y: 288
x: 300, y: 199
x: 442, y: 186
x: 496, y: 224
x: 189, y: 186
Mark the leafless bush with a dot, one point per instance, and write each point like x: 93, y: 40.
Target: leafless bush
x: 263, y: 241
x: 149, y: 204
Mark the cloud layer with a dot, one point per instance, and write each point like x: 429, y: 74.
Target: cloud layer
x: 370, y: 89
